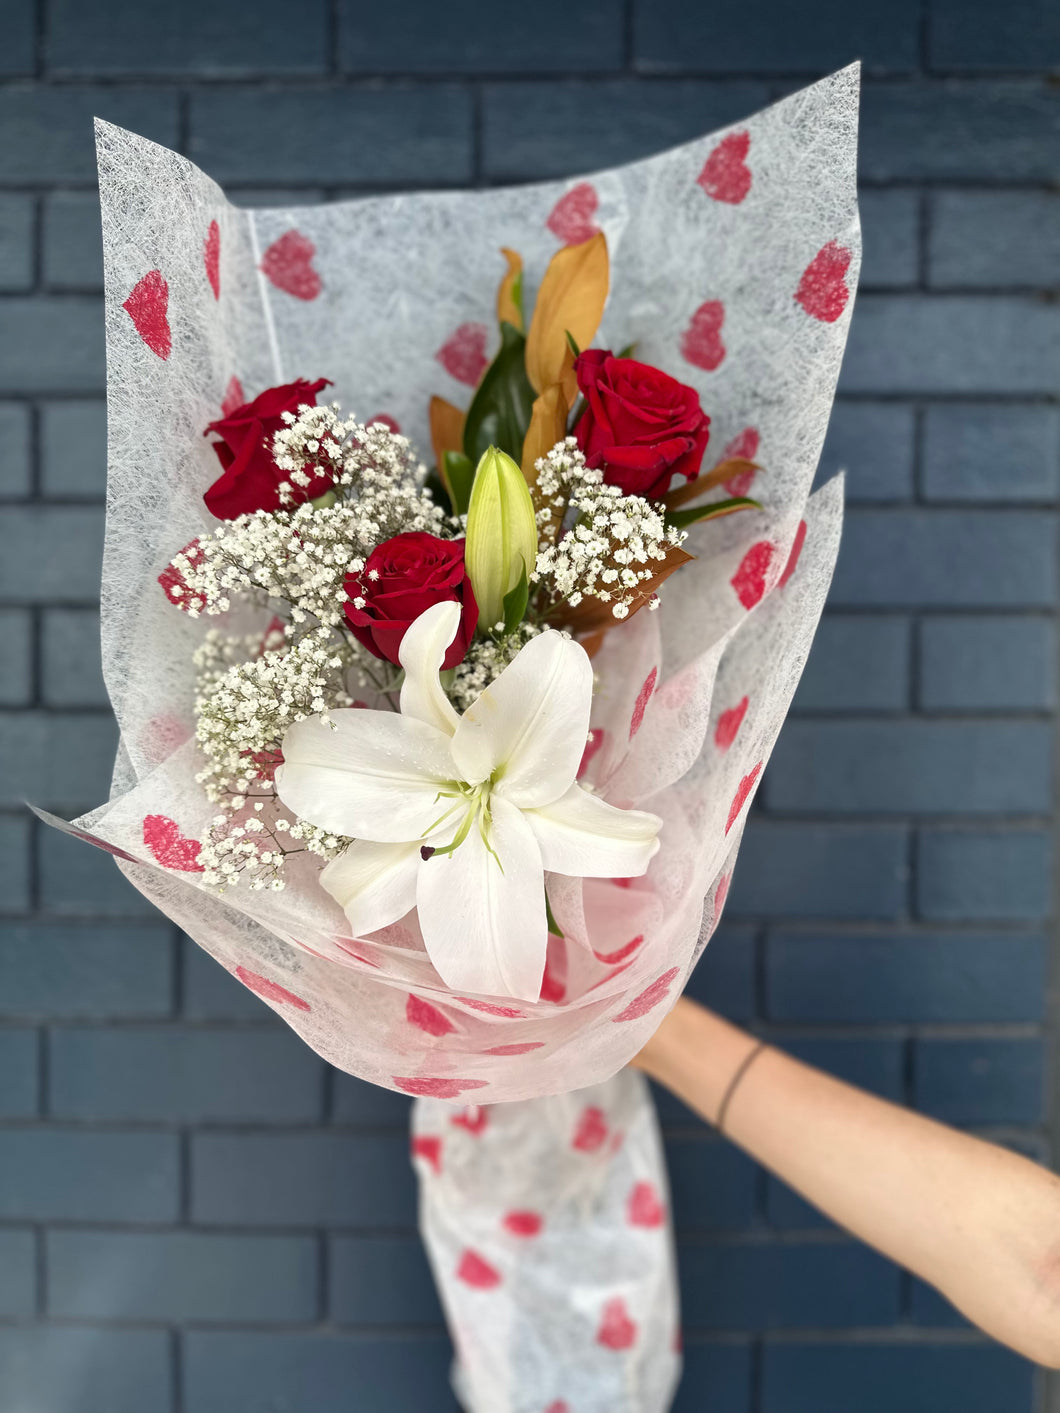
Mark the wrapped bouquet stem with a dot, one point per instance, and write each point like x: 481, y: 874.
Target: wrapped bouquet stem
x: 448, y: 661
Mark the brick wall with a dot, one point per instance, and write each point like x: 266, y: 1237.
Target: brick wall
x: 195, y: 1215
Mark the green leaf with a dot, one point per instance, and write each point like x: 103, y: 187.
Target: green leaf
x: 517, y: 295
x: 627, y: 352
x: 500, y: 410
x: 681, y: 519
x: 458, y: 474
x: 553, y: 925
x: 515, y: 601
x: 572, y: 344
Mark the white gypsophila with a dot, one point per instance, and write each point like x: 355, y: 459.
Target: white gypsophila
x: 486, y: 659
x: 614, y: 545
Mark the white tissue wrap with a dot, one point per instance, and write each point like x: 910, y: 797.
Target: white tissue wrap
x: 734, y: 260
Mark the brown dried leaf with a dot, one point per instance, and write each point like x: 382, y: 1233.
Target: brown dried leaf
x: 447, y: 429
x: 571, y: 300
x: 591, y: 616
x: 724, y: 471
x: 509, y: 297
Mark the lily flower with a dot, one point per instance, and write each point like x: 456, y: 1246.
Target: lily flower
x: 460, y: 816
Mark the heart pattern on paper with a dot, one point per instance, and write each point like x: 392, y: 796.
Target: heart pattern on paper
x: 473, y: 1119
x: 523, y: 1223
x: 288, y: 264
x: 793, y: 557
x: 744, y: 788
x: 148, y: 307
x: 749, y: 581
x: 617, y: 1330
x: 432, y: 1087
x: 270, y: 990
x: 571, y: 219
x: 640, y: 706
x: 650, y: 997
x: 463, y: 355
x: 170, y: 847
x: 211, y: 258
x: 426, y: 1017
x: 744, y: 445
x: 645, y: 1209
x: 591, y: 1130
x: 726, y: 175
x: 701, y: 342
x: 428, y: 1146
x: 475, y: 1271
x: 729, y: 723
x: 234, y: 396
x: 823, y: 291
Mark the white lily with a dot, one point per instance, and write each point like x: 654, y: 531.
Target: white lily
x: 460, y: 816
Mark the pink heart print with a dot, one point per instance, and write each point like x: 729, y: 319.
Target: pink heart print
x: 428, y: 1147
x: 525, y: 1224
x: 591, y: 1131
x: 211, y: 258
x: 640, y: 706
x: 744, y: 788
x: 426, y: 1017
x: 571, y: 219
x: 793, y: 557
x: 516, y: 1049
x: 234, y: 396
x: 270, y: 990
x: 612, y: 959
x: 474, y: 1119
x: 744, y: 445
x: 148, y: 307
x: 823, y: 291
x: 463, y: 355
x: 729, y: 723
x: 645, y: 1209
x: 701, y: 343
x: 726, y: 175
x: 170, y: 847
x: 617, y: 1330
x: 650, y: 997
x: 475, y: 1271
x: 288, y: 264
x: 436, y: 1087
x: 749, y: 581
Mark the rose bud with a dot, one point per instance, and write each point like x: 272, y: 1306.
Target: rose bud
x: 501, y: 533
x: 640, y: 426
x: 401, y: 579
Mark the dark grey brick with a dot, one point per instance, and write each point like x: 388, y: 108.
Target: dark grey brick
x: 354, y: 1101
x: 18, y: 1276
x: 19, y: 1075
x: 74, y: 449
x: 14, y: 863
x: 873, y: 443
x: 73, y: 241
x: 180, y: 1275
x: 982, y: 38
x: 767, y: 36
x: 18, y: 52
x: 303, y: 1179
x: 992, y: 453
x: 987, y: 664
x: 938, y: 558
x: 71, y: 671
x: 81, y: 1175
x: 184, y: 1075
x: 980, y: 1081
x: 382, y: 1280
x: 81, y: 881
x: 85, y: 1370
x: 820, y: 870
x: 199, y: 37
x: 69, y: 970
x: 275, y: 195
x: 409, y: 37
x: 890, y: 222
x: 927, y: 1306
x: 17, y: 222
x: 15, y: 464
x: 857, y: 663
x: 712, y: 1184
x: 16, y: 682
x: 999, y: 874
x: 52, y: 343
x: 717, y: 1375
x: 994, y: 239
x: 52, y: 553
x: 988, y: 344
x: 551, y: 129
x: 379, y: 136
x: 897, y: 978
x: 61, y: 762
x: 808, y: 1286
x: 928, y: 767
x: 724, y: 978
x: 878, y: 1378
x: 48, y: 134
x: 258, y: 1372
x: 211, y: 993
x: 1003, y: 130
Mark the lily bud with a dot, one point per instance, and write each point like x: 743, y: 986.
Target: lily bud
x: 501, y: 534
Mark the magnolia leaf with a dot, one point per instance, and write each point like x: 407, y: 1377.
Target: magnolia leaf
x: 515, y: 601
x: 499, y: 414
x: 681, y: 519
x: 570, y: 303
x: 457, y: 472
x: 592, y: 616
x: 447, y: 428
x: 724, y: 471
x: 510, y: 291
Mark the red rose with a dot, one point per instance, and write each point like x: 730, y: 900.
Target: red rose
x: 251, y: 479
x: 401, y: 579
x: 640, y: 425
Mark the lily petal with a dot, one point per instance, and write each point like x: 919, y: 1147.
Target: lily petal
x: 585, y: 837
x: 374, y: 884
x: 532, y: 722
x: 483, y: 921
x: 422, y: 651
x: 374, y: 775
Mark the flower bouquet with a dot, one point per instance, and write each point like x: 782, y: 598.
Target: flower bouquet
x: 448, y: 756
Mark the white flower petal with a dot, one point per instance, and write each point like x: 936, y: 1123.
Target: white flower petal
x: 585, y: 837
x: 484, y: 929
x: 374, y: 884
x: 422, y: 652
x: 375, y: 775
x: 532, y: 721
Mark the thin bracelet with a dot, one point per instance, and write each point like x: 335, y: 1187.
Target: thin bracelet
x: 741, y: 1069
